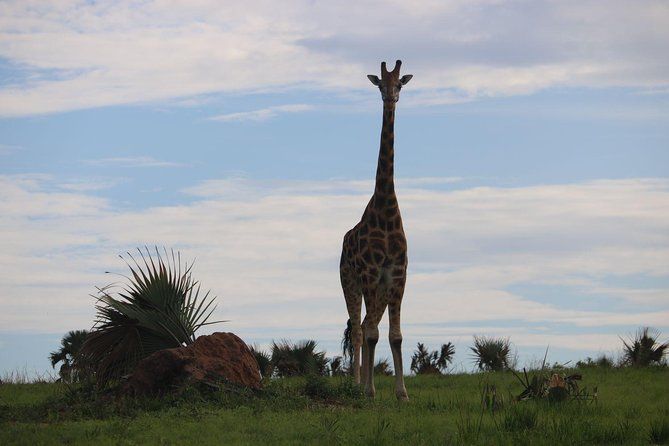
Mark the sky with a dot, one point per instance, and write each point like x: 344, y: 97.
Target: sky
x: 532, y: 165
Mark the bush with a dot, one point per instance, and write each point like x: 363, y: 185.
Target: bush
x: 337, y: 366
x: 160, y: 307
x: 601, y: 361
x: 264, y: 361
x: 424, y: 362
x: 491, y: 354
x: 643, y: 349
x: 382, y: 367
x: 298, y: 359
x: 73, y: 368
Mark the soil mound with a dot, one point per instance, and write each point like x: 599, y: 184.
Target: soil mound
x: 211, y: 359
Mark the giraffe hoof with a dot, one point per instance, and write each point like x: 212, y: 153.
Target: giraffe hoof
x: 402, y: 396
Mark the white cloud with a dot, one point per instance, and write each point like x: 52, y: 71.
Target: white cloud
x: 270, y: 251
x: 262, y: 114
x: 84, y: 185
x: 132, y: 161
x: 72, y: 55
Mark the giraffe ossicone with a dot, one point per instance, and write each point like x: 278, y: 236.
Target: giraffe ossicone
x: 374, y: 255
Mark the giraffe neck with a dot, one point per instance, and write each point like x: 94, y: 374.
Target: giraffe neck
x: 385, y: 185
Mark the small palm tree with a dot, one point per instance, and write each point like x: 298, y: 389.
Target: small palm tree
x: 337, y: 366
x: 159, y: 307
x: 491, y: 354
x: 72, y: 368
x: 298, y: 359
x: 264, y: 361
x: 424, y: 362
x: 382, y: 367
x: 644, y: 349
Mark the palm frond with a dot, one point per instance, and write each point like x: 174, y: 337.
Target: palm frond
x: 159, y: 306
x: 644, y: 349
x: 491, y: 353
x: 426, y: 362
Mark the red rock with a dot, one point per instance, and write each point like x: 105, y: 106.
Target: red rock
x: 210, y: 359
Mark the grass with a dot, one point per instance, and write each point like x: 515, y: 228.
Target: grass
x: 632, y: 408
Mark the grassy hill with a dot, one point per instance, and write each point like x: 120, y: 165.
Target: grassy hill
x: 632, y: 407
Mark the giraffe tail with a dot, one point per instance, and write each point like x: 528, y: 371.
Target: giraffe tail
x: 347, y: 342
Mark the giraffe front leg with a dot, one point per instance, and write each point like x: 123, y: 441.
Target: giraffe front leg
x: 395, y: 338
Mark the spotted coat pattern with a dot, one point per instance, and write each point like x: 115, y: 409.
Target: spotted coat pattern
x: 374, y: 260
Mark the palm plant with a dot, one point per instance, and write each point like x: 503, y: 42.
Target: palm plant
x: 337, y: 366
x: 298, y: 359
x: 382, y: 367
x: 644, y: 349
x: 72, y: 368
x: 159, y: 307
x: 264, y: 361
x: 424, y: 362
x: 491, y: 354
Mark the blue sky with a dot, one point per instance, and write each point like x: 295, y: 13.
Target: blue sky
x: 532, y: 157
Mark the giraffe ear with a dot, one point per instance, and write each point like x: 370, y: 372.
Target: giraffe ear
x: 405, y: 79
x: 374, y: 79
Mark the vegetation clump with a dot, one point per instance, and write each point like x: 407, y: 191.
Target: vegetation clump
x: 424, y: 362
x: 644, y: 349
x: 382, y: 367
x: 159, y: 307
x: 264, y: 361
x: 601, y: 361
x: 68, y: 355
x: 298, y: 359
x: 491, y: 354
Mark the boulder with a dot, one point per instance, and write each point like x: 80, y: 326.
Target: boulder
x: 211, y: 359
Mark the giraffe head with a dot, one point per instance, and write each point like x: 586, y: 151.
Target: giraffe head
x: 390, y: 83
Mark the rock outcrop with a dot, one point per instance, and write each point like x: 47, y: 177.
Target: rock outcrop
x: 212, y: 359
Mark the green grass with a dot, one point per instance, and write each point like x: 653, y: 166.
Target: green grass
x: 632, y: 408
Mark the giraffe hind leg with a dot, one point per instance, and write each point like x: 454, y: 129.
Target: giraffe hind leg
x: 375, y: 307
x: 395, y: 338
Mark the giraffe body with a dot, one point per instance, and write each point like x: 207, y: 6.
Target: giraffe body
x: 374, y: 255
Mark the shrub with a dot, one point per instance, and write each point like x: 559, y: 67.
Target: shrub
x: 264, y: 361
x: 159, y: 307
x: 298, y: 359
x: 72, y: 368
x: 337, y: 367
x: 425, y: 362
x: 317, y: 386
x: 601, y: 361
x: 643, y: 349
x: 491, y: 354
x: 382, y: 367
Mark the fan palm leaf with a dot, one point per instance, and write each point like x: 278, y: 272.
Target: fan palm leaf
x: 159, y: 307
x: 644, y: 349
x: 491, y: 353
x: 67, y: 354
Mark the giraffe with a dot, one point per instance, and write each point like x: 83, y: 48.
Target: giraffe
x: 374, y: 254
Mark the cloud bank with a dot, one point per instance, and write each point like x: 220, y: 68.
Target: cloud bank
x: 554, y: 264
x: 71, y: 55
